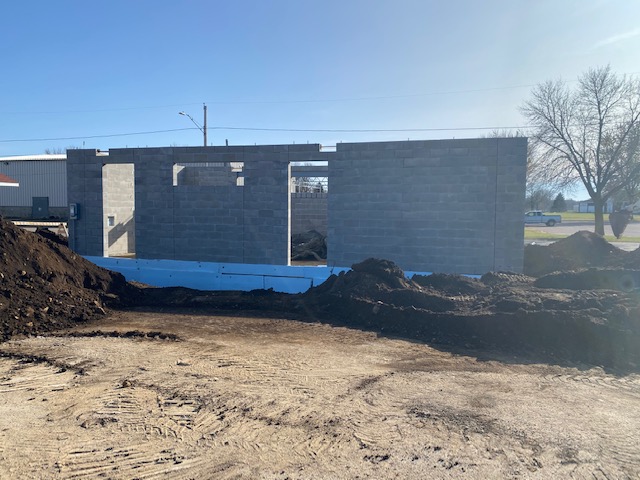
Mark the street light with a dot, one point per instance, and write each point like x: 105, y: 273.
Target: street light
x: 202, y: 129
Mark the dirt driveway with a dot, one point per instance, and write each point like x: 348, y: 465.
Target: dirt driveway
x: 241, y: 397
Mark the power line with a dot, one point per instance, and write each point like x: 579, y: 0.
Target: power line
x: 366, y: 130
x: 308, y: 130
x: 98, y: 110
x: 381, y: 97
x: 84, y: 137
x: 272, y: 102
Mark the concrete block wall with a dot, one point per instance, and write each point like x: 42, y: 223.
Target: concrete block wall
x: 84, y: 187
x: 267, y: 199
x: 208, y: 223
x: 309, y: 212
x: 118, y: 202
x: 267, y: 204
x: 206, y: 175
x: 215, y: 223
x: 510, y: 203
x: 451, y: 206
x: 154, y: 198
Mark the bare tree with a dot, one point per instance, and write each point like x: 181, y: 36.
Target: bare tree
x: 58, y: 150
x: 55, y: 150
x: 540, y: 188
x: 538, y: 197
x: 588, y: 135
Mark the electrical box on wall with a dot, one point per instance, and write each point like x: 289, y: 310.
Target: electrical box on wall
x: 74, y: 211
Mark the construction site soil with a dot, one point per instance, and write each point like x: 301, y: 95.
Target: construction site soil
x: 576, y: 309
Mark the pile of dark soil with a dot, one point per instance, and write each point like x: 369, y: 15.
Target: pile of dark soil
x: 581, y: 250
x: 623, y: 280
x: 311, y: 245
x: 45, y: 286
x: 383, y: 282
x: 499, y: 311
x: 451, y: 284
x: 591, y: 317
x: 54, y: 237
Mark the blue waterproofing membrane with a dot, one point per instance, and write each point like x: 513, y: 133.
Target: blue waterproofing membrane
x: 221, y: 276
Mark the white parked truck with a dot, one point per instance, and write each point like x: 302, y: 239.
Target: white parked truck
x: 536, y: 216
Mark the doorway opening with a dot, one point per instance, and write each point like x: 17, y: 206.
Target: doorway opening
x: 308, y: 212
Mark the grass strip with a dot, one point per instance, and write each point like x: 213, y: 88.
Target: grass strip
x: 531, y: 234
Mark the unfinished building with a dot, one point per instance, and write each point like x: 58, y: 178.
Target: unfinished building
x: 452, y: 206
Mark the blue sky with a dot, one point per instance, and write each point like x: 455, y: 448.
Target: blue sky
x: 86, y: 69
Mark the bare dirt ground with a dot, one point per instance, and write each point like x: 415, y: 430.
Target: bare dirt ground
x: 242, y: 397
x: 369, y: 375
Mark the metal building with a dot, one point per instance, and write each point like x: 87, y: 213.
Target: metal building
x: 42, y: 193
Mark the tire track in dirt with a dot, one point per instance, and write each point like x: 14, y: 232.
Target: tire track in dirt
x: 32, y: 385
x: 266, y: 404
x: 154, y: 443
x: 478, y: 425
x: 293, y: 422
x: 228, y: 419
x: 629, y: 384
x: 132, y: 461
x: 255, y: 424
x: 618, y: 446
x: 616, y: 441
x: 452, y: 430
x: 624, y: 450
x: 38, y: 379
x: 120, y: 407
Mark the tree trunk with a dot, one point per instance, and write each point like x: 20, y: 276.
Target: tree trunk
x: 598, y: 206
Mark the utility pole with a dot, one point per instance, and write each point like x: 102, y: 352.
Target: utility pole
x: 204, y: 130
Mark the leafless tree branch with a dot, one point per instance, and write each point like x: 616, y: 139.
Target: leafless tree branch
x: 589, y: 134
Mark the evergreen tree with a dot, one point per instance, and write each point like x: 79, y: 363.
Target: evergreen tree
x: 559, y: 204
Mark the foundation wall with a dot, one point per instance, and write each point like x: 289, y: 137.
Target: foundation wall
x: 182, y: 214
x: 309, y: 212
x: 451, y: 206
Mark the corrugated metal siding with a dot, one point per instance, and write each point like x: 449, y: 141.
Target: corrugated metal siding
x: 37, y: 179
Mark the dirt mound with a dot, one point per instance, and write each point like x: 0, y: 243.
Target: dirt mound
x: 311, y: 245
x: 502, y: 278
x: 46, y: 286
x: 631, y: 260
x: 623, y: 280
x: 502, y: 310
x: 54, y: 237
x: 581, y: 250
x: 375, y: 280
x: 450, y: 284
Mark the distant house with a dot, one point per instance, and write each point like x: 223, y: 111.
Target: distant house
x: 586, y: 206
x: 41, y: 182
x: 6, y: 181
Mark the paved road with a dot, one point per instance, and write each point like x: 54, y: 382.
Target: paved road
x: 569, y: 228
